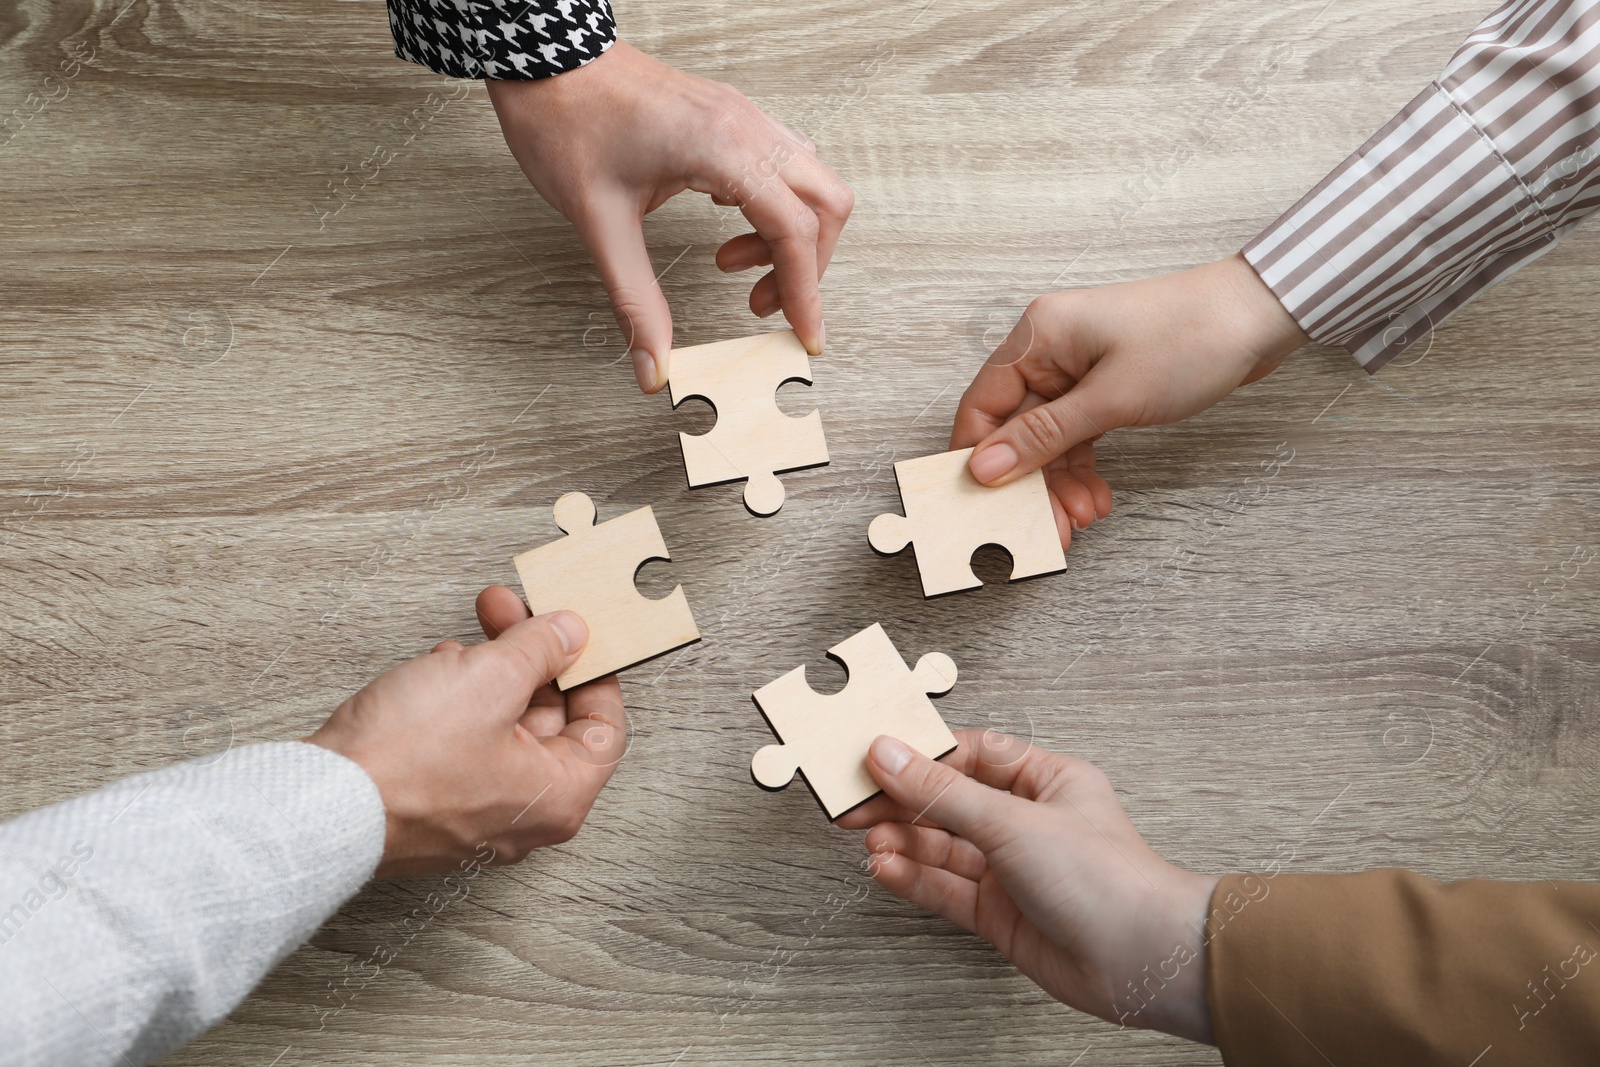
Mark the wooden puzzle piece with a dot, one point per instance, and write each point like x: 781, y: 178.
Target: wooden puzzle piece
x: 827, y: 737
x: 950, y: 515
x: 591, y: 571
x: 752, y: 439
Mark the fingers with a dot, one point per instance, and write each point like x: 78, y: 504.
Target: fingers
x: 610, y: 229
x: 1026, y: 771
x: 999, y: 387
x: 536, y: 650
x: 929, y: 846
x: 1081, y: 494
x: 926, y: 787
x: 1081, y: 465
x: 831, y: 200
x: 881, y: 808
x: 828, y: 196
x: 547, y: 712
x: 499, y: 609
x: 594, y: 739
x: 790, y: 229
x: 743, y: 252
x: 1039, y: 435
x: 805, y: 143
x: 938, y: 890
x: 1035, y: 398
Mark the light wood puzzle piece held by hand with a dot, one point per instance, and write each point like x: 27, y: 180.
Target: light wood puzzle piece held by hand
x: 591, y: 571
x: 753, y: 438
x: 827, y: 737
x: 950, y: 515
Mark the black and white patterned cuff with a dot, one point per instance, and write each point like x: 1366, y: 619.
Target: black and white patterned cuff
x: 515, y: 40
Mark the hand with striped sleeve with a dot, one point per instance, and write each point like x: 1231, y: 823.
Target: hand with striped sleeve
x: 1488, y: 168
x: 1082, y: 362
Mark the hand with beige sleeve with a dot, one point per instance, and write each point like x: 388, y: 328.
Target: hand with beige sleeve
x: 1032, y: 851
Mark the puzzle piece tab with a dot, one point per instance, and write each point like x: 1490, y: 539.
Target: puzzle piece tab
x: 752, y: 439
x: 950, y: 515
x: 591, y: 571
x: 827, y: 737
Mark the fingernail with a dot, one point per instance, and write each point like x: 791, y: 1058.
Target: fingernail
x: 992, y: 462
x: 572, y: 630
x: 646, y: 370
x: 891, y: 755
x: 822, y: 339
x: 768, y: 310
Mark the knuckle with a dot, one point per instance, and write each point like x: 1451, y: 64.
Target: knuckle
x: 1039, y: 308
x: 508, y: 669
x: 1047, y: 306
x: 806, y: 225
x: 566, y: 824
x: 937, y: 777
x: 725, y: 126
x: 1037, y: 430
x: 839, y: 201
x: 1086, y: 774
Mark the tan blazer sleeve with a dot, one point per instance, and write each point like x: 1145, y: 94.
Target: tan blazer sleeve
x: 1388, y: 967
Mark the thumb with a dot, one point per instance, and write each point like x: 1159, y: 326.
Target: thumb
x: 612, y: 233
x: 540, y: 648
x: 1033, y: 437
x: 937, y: 792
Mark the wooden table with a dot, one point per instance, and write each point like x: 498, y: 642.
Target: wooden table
x: 273, y: 413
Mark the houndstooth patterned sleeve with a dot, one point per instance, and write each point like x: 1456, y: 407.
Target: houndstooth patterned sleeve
x: 515, y: 40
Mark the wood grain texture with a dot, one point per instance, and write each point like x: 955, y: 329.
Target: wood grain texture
x: 274, y: 413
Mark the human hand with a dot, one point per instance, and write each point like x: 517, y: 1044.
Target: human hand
x: 609, y: 142
x: 474, y: 745
x: 1031, y: 851
x: 1082, y: 362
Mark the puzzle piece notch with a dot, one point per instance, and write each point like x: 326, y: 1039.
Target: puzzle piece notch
x: 752, y: 437
x: 949, y: 515
x: 827, y: 736
x: 581, y: 572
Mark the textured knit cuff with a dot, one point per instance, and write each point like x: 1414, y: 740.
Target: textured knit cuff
x: 513, y: 40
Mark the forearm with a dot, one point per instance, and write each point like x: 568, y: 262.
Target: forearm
x: 1484, y: 171
x: 503, y: 39
x: 1387, y: 967
x: 137, y: 916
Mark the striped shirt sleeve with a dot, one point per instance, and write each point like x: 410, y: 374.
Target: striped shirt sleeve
x: 511, y: 40
x: 1484, y: 171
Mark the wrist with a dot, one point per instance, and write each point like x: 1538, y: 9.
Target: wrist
x: 1169, y: 991
x: 403, y: 850
x: 1270, y: 333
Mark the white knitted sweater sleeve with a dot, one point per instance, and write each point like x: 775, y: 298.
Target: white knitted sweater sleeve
x: 139, y: 915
